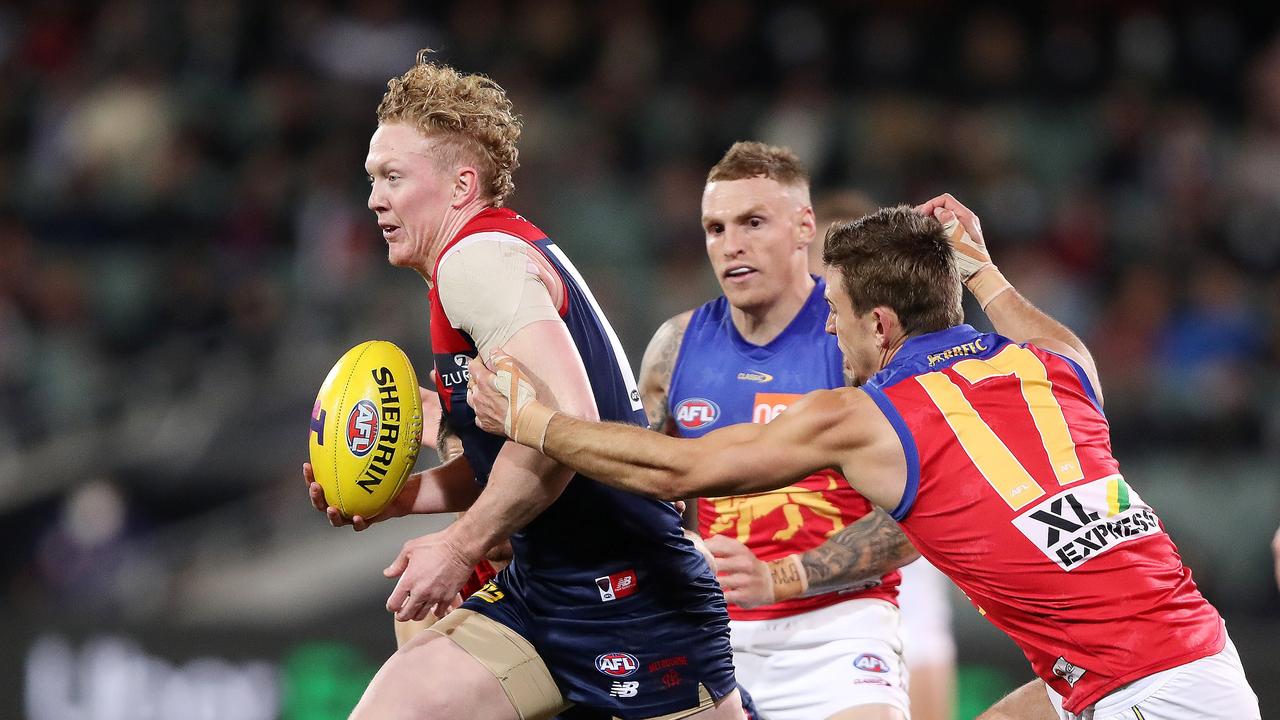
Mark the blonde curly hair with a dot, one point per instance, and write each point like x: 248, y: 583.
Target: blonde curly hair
x: 470, y: 113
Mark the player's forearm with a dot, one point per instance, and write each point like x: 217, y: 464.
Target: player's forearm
x: 859, y: 554
x: 1014, y: 317
x: 450, y: 487
x: 521, y: 485
x: 623, y: 456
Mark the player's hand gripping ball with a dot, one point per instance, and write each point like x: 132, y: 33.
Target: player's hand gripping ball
x: 366, y: 428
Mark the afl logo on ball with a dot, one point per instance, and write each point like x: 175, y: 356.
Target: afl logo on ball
x: 362, y: 428
x: 694, y: 413
x: 616, y: 664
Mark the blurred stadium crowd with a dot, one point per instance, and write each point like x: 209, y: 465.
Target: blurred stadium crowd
x: 184, y: 246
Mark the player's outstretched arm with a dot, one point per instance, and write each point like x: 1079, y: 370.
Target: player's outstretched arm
x: 1012, y: 314
x: 852, y: 558
x: 815, y: 433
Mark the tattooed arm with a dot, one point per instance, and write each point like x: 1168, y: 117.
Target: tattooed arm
x: 858, y: 554
x: 656, y: 369
x: 854, y: 558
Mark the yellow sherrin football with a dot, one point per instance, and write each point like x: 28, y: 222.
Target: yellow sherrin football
x: 366, y: 428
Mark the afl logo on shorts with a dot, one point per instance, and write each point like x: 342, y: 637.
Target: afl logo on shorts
x: 694, y: 413
x: 616, y: 664
x: 870, y: 663
x: 362, y: 428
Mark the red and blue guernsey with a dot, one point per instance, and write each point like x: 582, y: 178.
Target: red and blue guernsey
x: 721, y: 379
x: 1012, y: 491
x: 603, y: 583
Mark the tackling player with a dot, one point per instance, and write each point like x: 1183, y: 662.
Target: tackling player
x: 992, y: 452
x: 803, y: 647
x: 928, y: 644
x: 606, y: 606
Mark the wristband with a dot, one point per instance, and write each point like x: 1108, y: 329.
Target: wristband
x: 987, y: 285
x: 530, y: 424
x: 789, y: 577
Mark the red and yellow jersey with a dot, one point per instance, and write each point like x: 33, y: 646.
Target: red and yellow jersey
x: 1013, y: 493
x: 722, y: 379
x: 792, y: 520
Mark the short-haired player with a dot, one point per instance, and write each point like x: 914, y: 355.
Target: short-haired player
x: 808, y: 569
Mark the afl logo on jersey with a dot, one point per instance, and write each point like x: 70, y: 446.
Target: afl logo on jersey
x: 362, y: 428
x: 617, y: 664
x: 695, y: 413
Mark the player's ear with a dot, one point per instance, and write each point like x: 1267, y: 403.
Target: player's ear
x: 808, y: 226
x: 466, y: 186
x: 887, y: 326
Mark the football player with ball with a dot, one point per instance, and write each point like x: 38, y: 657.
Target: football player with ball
x: 606, y: 608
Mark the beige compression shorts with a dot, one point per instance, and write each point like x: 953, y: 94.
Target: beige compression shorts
x: 515, y: 663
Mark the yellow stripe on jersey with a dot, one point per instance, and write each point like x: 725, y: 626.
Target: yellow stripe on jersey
x: 1046, y: 411
x: 991, y: 456
x: 989, y: 453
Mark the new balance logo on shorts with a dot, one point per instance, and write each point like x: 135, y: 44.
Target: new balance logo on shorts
x: 625, y: 689
x: 1079, y: 524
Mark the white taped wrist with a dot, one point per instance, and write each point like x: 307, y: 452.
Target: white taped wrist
x: 531, y: 425
x: 987, y: 285
x: 970, y: 257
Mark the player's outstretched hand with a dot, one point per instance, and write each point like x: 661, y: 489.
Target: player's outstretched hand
x: 743, y: 576
x: 431, y: 571
x: 505, y: 397
x: 486, y: 398
x: 402, y: 504
x: 964, y: 230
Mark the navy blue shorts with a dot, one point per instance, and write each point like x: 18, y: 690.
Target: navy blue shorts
x: 628, y: 659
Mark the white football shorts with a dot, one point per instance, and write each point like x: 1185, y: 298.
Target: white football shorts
x: 817, y: 663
